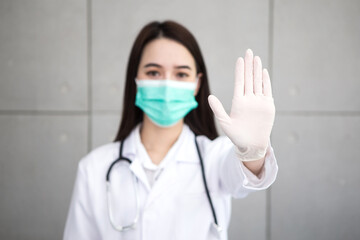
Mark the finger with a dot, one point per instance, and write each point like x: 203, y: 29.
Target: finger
x: 239, y: 77
x: 249, y: 61
x: 258, y: 76
x: 218, y: 109
x: 267, y: 83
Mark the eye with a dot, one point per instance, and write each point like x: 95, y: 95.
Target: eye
x: 152, y: 73
x: 182, y: 75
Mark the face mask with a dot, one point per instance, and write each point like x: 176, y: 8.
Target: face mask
x: 165, y: 102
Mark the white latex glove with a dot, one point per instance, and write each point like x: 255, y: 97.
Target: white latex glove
x: 252, y: 112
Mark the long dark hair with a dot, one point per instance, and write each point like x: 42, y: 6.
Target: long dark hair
x: 201, y: 119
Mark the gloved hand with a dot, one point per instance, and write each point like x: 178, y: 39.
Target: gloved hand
x: 252, y: 112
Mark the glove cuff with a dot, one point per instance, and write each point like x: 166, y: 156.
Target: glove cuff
x: 249, y: 154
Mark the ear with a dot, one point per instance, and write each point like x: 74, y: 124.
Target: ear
x: 199, y: 76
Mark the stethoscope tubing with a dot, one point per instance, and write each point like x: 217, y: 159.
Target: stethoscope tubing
x: 205, y: 184
x: 121, y: 157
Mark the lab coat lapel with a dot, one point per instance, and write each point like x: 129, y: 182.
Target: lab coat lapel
x: 139, y: 172
x: 184, y: 151
x: 130, y: 151
x: 167, y: 180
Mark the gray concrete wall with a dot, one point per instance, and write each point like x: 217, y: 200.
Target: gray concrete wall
x: 62, y: 68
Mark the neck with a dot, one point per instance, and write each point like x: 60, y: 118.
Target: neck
x: 158, y: 140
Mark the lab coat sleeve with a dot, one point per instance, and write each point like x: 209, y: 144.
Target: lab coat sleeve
x: 80, y: 220
x: 239, y: 181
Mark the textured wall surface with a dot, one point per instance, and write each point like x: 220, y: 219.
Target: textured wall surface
x: 62, y: 69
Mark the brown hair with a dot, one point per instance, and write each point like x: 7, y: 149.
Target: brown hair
x: 201, y: 119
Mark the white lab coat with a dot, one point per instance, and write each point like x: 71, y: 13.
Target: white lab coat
x: 176, y: 206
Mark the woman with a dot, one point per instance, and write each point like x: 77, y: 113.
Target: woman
x: 176, y: 177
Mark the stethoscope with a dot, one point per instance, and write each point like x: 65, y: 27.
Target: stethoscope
x: 132, y: 225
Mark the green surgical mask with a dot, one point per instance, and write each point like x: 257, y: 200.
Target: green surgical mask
x: 165, y: 102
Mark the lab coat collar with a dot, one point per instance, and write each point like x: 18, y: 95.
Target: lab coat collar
x: 188, y: 152
x: 170, y: 175
x: 186, y: 138
x: 130, y: 151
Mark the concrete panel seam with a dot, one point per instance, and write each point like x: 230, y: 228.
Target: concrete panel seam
x: 318, y: 113
x: 270, y: 49
x: 42, y: 112
x: 89, y: 71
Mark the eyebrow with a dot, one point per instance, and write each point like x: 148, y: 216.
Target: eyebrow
x: 152, y: 65
x: 159, y: 66
x: 183, y: 66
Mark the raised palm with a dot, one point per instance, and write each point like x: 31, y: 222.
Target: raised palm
x: 252, y: 113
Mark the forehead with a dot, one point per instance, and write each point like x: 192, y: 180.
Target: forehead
x: 166, y: 52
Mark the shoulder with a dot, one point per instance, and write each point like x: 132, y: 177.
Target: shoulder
x: 221, y: 142
x: 204, y: 141
x: 100, y: 156
x: 105, y: 154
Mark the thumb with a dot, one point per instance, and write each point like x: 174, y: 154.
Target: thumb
x: 218, y: 108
